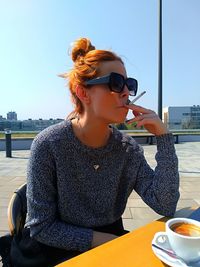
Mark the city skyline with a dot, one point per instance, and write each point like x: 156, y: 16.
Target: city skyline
x: 175, y: 118
x: 8, y: 113
x: 36, y: 37
x: 163, y: 110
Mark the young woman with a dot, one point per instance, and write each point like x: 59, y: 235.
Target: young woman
x: 82, y: 170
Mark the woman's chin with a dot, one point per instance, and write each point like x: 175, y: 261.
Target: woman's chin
x: 122, y: 120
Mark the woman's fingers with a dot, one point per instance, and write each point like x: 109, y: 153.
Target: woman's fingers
x: 139, y: 117
x: 135, y: 113
x: 139, y: 109
x: 144, y: 122
x: 147, y: 118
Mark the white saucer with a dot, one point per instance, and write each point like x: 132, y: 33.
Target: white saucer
x: 161, y: 241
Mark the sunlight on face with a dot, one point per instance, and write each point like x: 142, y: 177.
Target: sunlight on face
x: 106, y: 105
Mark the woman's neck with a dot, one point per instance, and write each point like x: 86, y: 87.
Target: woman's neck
x: 91, y: 133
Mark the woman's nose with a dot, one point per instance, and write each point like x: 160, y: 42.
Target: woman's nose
x: 125, y: 92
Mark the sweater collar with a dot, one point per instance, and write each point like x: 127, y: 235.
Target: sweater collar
x: 113, y: 142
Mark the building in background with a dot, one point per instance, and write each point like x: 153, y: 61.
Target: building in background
x: 37, y: 125
x: 12, y: 116
x: 187, y: 117
x: 2, y: 118
x: 27, y: 125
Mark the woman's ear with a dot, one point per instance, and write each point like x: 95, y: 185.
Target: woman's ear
x: 82, y: 94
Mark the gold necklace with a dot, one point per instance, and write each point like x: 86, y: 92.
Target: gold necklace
x: 95, y: 166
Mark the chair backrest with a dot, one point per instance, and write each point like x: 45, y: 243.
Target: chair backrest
x: 17, y: 209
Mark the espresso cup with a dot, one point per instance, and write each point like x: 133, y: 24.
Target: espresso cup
x: 184, y: 237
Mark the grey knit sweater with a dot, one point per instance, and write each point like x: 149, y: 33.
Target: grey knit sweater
x: 68, y: 194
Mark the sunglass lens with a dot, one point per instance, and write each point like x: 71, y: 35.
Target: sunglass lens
x: 132, y: 86
x: 117, y: 82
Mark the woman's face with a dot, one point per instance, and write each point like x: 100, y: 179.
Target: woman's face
x: 106, y: 105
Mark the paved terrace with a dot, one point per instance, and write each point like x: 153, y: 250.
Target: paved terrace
x: 137, y: 213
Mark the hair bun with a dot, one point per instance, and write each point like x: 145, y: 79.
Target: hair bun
x: 80, y: 48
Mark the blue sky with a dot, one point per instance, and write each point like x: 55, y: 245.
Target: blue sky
x: 36, y: 36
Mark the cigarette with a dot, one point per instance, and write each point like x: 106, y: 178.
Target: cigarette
x: 135, y: 99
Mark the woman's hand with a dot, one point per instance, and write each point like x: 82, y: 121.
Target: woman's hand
x: 100, y: 238
x: 147, y: 118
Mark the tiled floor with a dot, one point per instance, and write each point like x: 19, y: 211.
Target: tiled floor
x: 137, y: 213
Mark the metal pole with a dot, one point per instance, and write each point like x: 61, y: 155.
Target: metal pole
x: 8, y: 143
x: 160, y: 59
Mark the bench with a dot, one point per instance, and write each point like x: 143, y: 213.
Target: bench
x: 150, y: 138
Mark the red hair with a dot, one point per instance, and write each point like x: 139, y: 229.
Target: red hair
x: 86, y: 60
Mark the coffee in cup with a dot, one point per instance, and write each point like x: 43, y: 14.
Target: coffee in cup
x: 187, y: 229
x: 184, y: 237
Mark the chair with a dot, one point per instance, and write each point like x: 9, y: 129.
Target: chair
x: 17, y: 209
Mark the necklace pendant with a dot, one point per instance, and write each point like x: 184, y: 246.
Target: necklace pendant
x: 96, y: 167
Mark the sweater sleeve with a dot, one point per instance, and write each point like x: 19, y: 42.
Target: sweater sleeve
x: 43, y: 217
x: 159, y: 188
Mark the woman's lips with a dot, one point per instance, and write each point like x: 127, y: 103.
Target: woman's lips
x: 124, y: 107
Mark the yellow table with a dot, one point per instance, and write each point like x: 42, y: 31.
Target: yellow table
x: 131, y: 250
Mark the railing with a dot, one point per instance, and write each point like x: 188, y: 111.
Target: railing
x: 150, y: 138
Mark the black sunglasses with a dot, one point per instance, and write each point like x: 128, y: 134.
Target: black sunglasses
x: 116, y: 83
